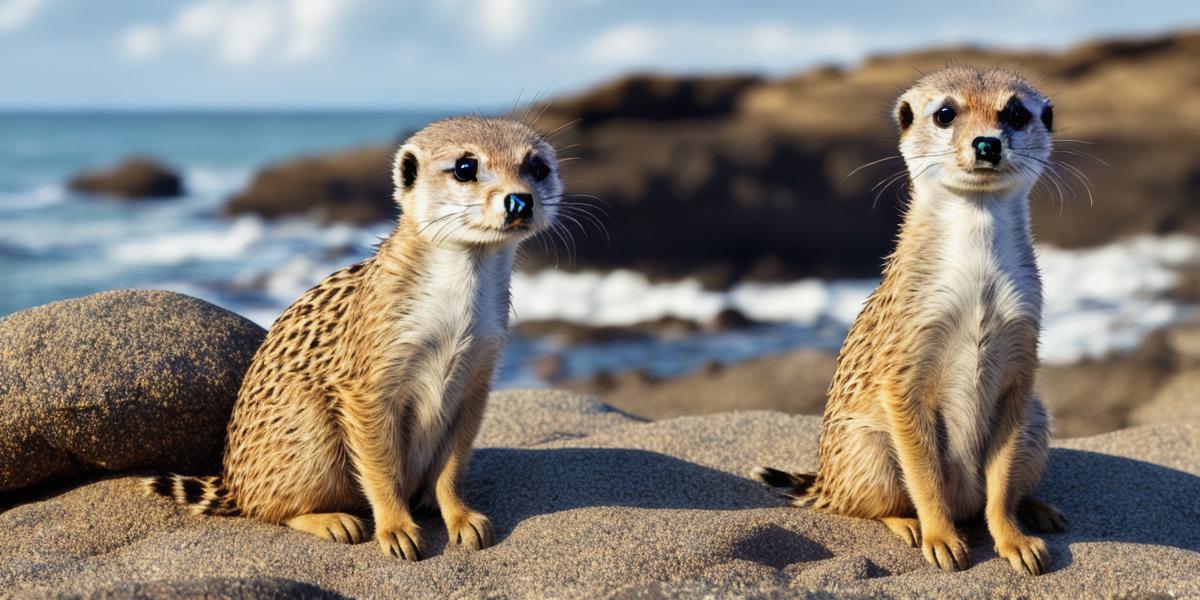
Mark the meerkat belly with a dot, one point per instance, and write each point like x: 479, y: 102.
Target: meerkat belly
x: 986, y: 288
x: 454, y: 328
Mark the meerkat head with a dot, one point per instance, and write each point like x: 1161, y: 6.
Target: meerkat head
x: 975, y: 132
x: 477, y: 181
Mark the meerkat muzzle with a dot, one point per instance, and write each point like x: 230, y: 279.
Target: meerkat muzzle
x: 518, y: 208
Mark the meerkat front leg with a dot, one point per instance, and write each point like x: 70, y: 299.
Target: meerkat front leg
x: 373, y: 438
x: 1024, y: 552
x: 912, y: 421
x: 464, y: 525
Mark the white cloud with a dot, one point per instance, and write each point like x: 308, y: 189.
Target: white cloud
x: 242, y: 33
x: 504, y: 21
x: 141, y: 42
x: 629, y: 43
x: 767, y: 44
x: 16, y: 14
x: 496, y: 22
x: 311, y: 27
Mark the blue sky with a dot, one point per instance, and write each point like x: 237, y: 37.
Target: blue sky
x: 459, y: 54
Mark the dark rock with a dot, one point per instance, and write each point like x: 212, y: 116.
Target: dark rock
x: 117, y: 381
x: 134, y: 178
x: 736, y: 178
x: 729, y: 319
x: 354, y: 186
x: 646, y: 96
x: 570, y: 332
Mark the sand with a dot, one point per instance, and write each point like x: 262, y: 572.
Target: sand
x: 589, y: 502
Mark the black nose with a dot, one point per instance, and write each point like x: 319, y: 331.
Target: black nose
x: 987, y: 148
x: 517, y: 208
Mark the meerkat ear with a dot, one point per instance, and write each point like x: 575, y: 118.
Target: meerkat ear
x: 406, y: 169
x: 1048, y: 117
x: 904, y: 116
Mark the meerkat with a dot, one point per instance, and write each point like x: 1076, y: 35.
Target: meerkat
x: 931, y: 416
x: 368, y: 391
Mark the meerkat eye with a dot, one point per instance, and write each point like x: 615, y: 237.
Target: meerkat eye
x: 1014, y: 114
x: 466, y: 169
x: 945, y: 116
x: 538, y: 169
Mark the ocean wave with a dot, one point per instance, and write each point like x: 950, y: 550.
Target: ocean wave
x: 38, y: 197
x: 1098, y: 301
x: 230, y: 243
x: 215, y: 181
x: 1106, y: 299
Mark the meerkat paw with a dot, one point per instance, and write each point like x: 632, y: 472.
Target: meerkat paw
x: 400, y: 541
x: 337, y: 527
x: 946, y: 550
x: 907, y: 529
x: 470, y: 529
x: 1040, y: 517
x: 1026, y: 554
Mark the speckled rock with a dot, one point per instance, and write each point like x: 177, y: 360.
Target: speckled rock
x: 118, y: 380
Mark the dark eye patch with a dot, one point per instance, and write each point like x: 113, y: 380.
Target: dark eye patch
x: 1014, y: 114
x: 537, y: 168
x: 1048, y: 117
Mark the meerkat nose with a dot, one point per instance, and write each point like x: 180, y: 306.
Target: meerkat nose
x: 987, y: 149
x: 518, y: 208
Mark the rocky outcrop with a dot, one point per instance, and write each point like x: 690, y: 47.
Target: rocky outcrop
x: 133, y: 179
x: 354, y: 186
x: 116, y: 381
x: 731, y: 178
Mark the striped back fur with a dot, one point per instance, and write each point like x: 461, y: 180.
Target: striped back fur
x: 201, y: 495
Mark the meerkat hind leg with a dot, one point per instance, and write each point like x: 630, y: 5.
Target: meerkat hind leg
x: 908, y: 529
x: 1040, y: 517
x: 337, y: 527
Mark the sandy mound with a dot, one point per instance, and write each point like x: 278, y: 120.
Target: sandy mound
x: 590, y: 502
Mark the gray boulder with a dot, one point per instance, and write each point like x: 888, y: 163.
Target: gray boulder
x: 131, y: 379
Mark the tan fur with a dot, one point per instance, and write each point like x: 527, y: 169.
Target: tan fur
x: 932, y: 411
x: 368, y: 391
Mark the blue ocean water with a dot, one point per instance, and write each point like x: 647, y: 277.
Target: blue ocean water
x: 56, y: 244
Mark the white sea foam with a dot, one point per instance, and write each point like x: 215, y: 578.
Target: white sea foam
x: 39, y: 197
x: 215, y: 182
x: 1105, y: 299
x: 204, y: 245
x: 1098, y: 300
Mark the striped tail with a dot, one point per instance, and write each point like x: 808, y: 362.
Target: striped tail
x: 799, y: 488
x: 201, y: 495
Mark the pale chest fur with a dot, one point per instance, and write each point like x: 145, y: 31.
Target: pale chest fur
x: 985, y: 293
x: 453, y: 329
